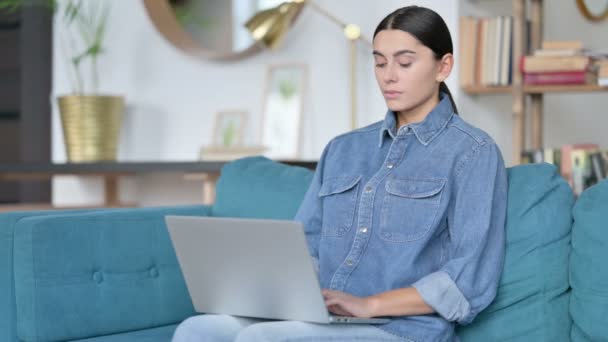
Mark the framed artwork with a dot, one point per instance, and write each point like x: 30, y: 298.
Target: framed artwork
x: 282, y: 110
x: 229, y: 129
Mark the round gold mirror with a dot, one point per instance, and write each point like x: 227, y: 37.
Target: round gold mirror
x: 210, y: 29
x: 595, y: 10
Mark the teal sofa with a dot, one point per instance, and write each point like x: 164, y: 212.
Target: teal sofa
x: 111, y: 275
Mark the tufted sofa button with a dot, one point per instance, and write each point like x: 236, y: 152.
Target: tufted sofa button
x: 153, y: 272
x: 97, y: 277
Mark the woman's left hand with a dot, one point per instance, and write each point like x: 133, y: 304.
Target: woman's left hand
x: 343, y: 304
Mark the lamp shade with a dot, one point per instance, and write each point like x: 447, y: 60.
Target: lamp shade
x: 270, y: 26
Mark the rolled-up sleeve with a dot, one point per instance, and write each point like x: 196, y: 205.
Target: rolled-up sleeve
x: 468, y: 280
x: 310, y: 212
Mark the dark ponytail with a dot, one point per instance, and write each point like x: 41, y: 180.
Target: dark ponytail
x: 426, y: 26
x: 444, y: 89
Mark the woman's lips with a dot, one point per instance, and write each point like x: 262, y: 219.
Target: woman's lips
x: 389, y: 94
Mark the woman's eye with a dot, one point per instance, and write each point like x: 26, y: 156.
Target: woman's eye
x: 405, y: 65
x: 380, y: 65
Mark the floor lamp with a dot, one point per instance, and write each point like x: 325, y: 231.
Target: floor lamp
x: 270, y: 26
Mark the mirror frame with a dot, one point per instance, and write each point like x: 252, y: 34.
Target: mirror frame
x: 583, y: 8
x: 165, y: 22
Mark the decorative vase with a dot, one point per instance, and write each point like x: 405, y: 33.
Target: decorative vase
x: 91, y: 126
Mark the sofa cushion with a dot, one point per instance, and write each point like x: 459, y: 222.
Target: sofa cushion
x: 257, y: 187
x: 162, y: 334
x: 92, y: 274
x: 532, y: 299
x: 588, y: 271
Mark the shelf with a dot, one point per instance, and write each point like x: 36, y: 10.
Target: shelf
x: 535, y: 89
x: 584, y: 88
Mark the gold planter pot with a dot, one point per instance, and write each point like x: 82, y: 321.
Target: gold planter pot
x: 91, y: 126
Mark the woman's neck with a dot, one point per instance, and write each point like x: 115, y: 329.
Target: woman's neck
x: 419, y: 112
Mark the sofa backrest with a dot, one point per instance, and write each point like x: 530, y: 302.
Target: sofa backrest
x: 588, y: 269
x: 532, y: 299
x: 258, y: 187
x: 88, y: 274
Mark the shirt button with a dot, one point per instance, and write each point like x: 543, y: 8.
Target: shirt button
x: 368, y: 189
x: 349, y: 262
x: 363, y: 230
x: 390, y: 166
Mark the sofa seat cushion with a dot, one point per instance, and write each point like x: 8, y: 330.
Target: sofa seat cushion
x: 258, y: 187
x: 99, y: 273
x: 532, y: 299
x: 588, y: 270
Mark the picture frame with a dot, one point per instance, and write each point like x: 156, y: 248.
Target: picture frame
x: 229, y: 129
x: 282, y: 110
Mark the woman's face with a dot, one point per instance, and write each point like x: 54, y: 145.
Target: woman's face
x: 406, y: 70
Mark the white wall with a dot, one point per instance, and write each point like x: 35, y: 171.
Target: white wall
x: 172, y: 97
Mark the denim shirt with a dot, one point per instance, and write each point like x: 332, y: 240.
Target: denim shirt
x: 421, y: 206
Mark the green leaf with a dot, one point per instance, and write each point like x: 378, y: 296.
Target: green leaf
x: 72, y: 11
x: 10, y: 6
x: 101, y: 28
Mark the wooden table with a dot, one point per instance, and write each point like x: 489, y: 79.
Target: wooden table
x: 206, y: 171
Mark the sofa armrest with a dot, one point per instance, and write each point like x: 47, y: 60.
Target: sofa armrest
x: 95, y: 273
x: 8, y: 221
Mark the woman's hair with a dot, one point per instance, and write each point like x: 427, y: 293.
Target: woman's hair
x: 426, y: 26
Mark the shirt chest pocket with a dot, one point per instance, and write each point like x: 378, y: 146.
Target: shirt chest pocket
x: 339, y: 197
x: 409, y: 208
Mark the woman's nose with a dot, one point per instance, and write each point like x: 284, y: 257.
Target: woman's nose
x: 390, y: 74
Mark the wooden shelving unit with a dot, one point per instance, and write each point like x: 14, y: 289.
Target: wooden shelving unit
x: 520, y: 92
x: 586, y: 88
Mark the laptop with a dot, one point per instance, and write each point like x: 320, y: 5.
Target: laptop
x: 251, y: 268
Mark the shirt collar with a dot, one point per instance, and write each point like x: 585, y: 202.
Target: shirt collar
x: 425, y: 130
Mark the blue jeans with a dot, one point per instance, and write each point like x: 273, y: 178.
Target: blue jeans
x: 220, y: 328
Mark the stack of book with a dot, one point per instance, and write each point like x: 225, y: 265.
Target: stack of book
x: 558, y: 63
x: 582, y: 165
x: 485, y: 51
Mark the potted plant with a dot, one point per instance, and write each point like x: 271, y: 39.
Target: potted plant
x: 91, y: 121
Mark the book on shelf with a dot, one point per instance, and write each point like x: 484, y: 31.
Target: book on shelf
x: 485, y: 51
x: 574, y: 163
x: 562, y: 45
x: 561, y: 48
x: 554, y: 63
x: 599, y: 163
x: 581, y: 165
x: 560, y: 77
x: 602, y: 72
x: 560, y: 53
x: 547, y: 155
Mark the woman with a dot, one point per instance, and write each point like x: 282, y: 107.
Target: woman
x: 405, y: 217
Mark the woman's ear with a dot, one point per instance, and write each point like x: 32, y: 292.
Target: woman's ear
x: 445, y: 67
